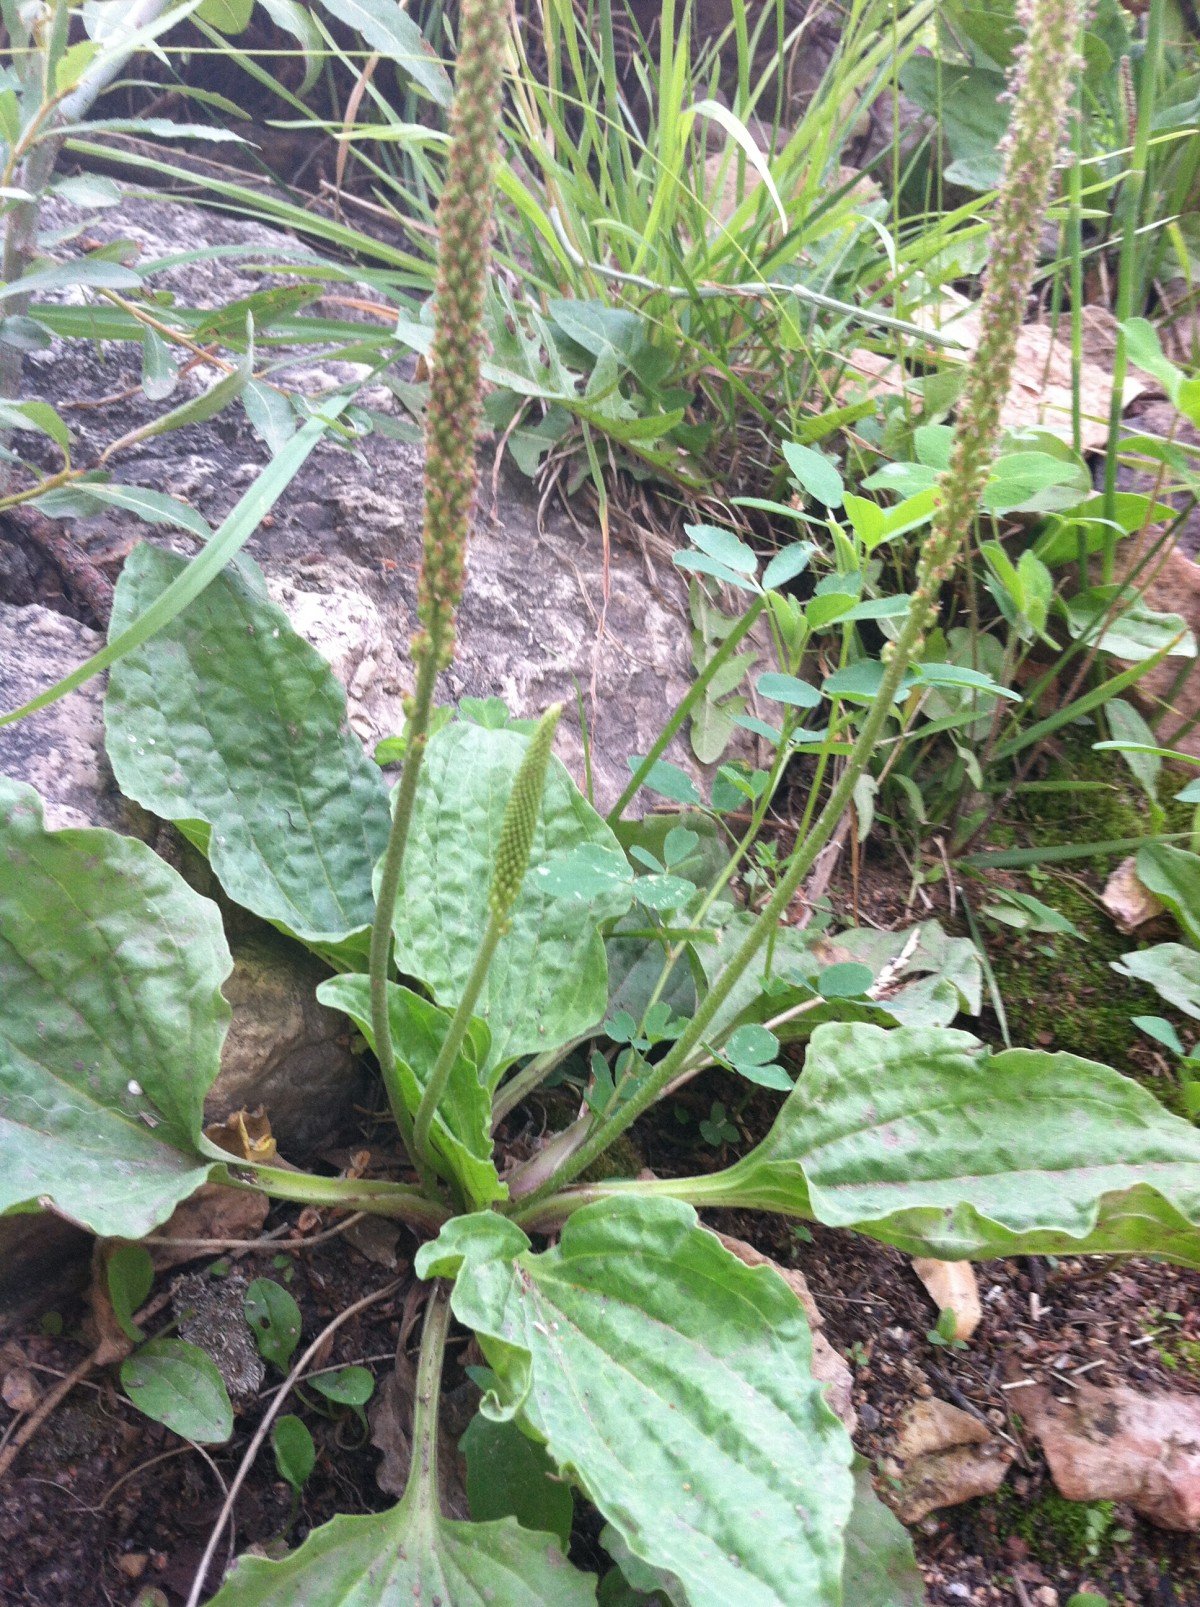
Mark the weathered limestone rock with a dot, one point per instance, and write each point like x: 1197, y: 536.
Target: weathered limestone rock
x: 341, y: 548
x: 943, y: 1456
x: 1123, y: 1444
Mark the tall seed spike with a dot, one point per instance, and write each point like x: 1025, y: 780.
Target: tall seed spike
x: 521, y: 818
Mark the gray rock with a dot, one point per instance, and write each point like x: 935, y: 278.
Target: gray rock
x: 284, y: 1050
x: 60, y: 750
x: 342, y: 546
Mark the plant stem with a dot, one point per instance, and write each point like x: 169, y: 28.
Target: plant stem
x: 452, y: 1043
x: 377, y: 1197
x: 693, y: 695
x: 464, y: 232
x: 1127, y: 266
x: 422, y: 1487
x: 379, y: 964
x: 1043, y: 78
x: 604, y: 1132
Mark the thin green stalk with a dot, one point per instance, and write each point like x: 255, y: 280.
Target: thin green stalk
x: 421, y: 1491
x: 379, y: 1198
x: 604, y: 1132
x: 1043, y: 78
x: 379, y: 965
x: 527, y: 1079
x: 464, y: 233
x: 452, y: 1043
x: 1075, y: 253
x: 693, y: 695
x: 1128, y: 277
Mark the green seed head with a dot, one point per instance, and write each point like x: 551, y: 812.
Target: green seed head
x: 464, y: 236
x: 521, y: 818
x: 1040, y: 88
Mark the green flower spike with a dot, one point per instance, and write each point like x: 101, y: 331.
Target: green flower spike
x: 464, y: 220
x: 513, y: 849
x: 520, y: 819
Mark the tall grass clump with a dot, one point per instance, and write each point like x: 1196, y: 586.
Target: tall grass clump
x: 1042, y: 78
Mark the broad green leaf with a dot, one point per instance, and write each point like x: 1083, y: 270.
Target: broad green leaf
x: 861, y: 681
x: 549, y: 980
x: 349, y: 1386
x: 668, y: 780
x: 915, y: 957
x: 1135, y: 741
x: 1172, y: 970
x: 1034, y: 482
x: 968, y: 104
x: 228, y: 723
x: 724, y: 547
x: 226, y: 16
x: 712, y: 726
x: 510, y: 1476
x: 1174, y: 876
x: 95, y: 271
x: 788, y: 689
x: 270, y: 414
x: 881, y: 1567
x: 462, y: 1127
x: 39, y: 416
x: 112, y: 1023
x: 160, y: 371
x: 674, y: 1385
x: 786, y: 565
x: 935, y: 673
x: 921, y: 1139
x: 386, y: 27
x: 412, y: 1556
x: 178, y: 1384
x: 89, y: 497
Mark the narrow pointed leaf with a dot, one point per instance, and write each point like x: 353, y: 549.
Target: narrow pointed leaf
x: 921, y: 1139
x: 549, y: 980
x: 462, y: 1127
x: 230, y: 724
x: 110, y: 1036
x: 388, y: 28
x: 674, y: 1385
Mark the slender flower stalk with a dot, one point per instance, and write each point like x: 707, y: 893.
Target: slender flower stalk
x: 1043, y: 75
x: 464, y: 234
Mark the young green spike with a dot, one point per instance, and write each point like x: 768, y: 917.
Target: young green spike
x: 513, y: 850
x: 521, y: 818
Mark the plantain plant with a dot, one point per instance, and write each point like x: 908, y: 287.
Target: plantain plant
x: 487, y: 928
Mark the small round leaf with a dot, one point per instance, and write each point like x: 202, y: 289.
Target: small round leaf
x: 275, y: 1320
